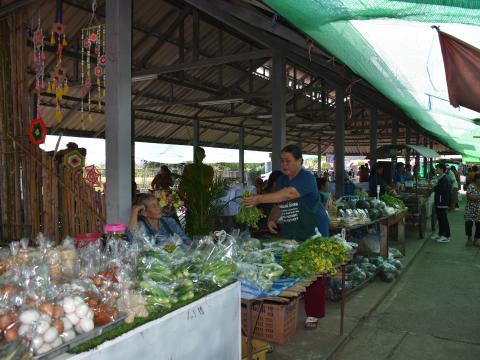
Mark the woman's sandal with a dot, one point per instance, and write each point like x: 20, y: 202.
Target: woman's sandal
x: 311, y: 323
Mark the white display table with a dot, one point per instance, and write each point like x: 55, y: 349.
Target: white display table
x: 209, y: 328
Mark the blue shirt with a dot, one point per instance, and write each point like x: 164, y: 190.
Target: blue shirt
x: 306, y: 185
x: 173, y: 228
x: 398, y: 178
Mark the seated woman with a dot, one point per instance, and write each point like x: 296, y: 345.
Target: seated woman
x: 147, y: 218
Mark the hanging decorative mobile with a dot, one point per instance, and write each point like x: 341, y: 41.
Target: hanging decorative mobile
x: 93, y: 75
x: 59, y: 82
x: 37, y: 130
x: 93, y: 46
x: 39, y: 63
x: 92, y: 176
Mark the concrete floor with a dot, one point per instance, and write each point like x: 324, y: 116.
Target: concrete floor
x: 430, y: 312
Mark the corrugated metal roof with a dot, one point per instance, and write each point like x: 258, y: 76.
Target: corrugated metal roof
x: 171, y: 121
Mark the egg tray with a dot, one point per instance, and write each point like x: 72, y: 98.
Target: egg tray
x: 80, y: 339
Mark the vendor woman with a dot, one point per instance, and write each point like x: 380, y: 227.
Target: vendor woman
x: 147, y: 217
x: 298, y: 202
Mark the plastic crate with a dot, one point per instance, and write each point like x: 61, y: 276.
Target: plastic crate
x: 276, y: 322
x: 259, y: 349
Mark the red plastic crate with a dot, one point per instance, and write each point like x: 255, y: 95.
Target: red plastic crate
x: 276, y: 322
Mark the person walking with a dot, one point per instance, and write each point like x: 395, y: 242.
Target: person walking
x: 454, y: 177
x: 442, y: 203
x: 472, y: 211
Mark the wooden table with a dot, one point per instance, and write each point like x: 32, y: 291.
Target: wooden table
x: 397, y: 220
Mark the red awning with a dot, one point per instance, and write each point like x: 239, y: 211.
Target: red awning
x: 462, y: 69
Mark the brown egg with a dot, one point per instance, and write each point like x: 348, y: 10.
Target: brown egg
x: 59, y: 326
x: 92, y: 302
x: 11, y: 334
x: 58, y: 312
x: 31, y: 302
x: 46, y: 308
x: 8, y: 291
x: 5, y: 321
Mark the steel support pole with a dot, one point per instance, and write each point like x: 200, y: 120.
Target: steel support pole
x: 417, y: 156
x: 319, y: 156
x: 408, y: 135
x: 241, y: 154
x: 196, y: 135
x: 118, y: 110
x: 279, y: 131
x: 373, y: 137
x: 394, y: 142
x: 340, y: 141
x: 425, y: 160
x: 132, y: 145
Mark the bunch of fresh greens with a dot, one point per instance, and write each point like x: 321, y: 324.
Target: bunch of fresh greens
x: 249, y: 215
x: 393, y: 202
x: 316, y: 255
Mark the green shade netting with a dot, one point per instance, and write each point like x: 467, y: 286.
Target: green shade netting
x: 390, y: 44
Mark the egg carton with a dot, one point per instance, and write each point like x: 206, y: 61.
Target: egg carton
x: 80, y: 339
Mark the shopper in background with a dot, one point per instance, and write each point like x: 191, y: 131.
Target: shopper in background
x: 471, y: 175
x: 163, y: 180
x: 259, y: 185
x: 376, y: 178
x: 362, y: 174
x: 454, y: 182
x: 399, y: 176
x: 297, y: 200
x: 322, y: 185
x: 443, y: 191
x: 269, y: 188
x: 408, y: 173
x: 472, y: 211
x: 367, y: 169
x: 416, y: 173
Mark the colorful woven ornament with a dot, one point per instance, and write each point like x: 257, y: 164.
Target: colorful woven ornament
x: 37, y: 131
x: 74, y: 160
x: 92, y: 176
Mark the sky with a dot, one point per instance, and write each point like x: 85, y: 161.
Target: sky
x: 163, y: 153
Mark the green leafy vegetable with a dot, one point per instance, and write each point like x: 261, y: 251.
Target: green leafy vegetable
x: 316, y: 255
x: 249, y: 215
x: 393, y: 202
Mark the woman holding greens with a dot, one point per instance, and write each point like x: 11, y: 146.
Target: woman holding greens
x: 297, y: 202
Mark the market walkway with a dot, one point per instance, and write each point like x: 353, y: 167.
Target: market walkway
x: 431, y: 312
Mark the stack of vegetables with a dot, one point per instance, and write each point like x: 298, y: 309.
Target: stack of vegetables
x: 166, y: 279
x: 317, y: 255
x: 258, y: 267
x: 393, y: 202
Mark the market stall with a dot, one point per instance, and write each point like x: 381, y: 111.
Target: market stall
x: 199, y: 323
x: 112, y: 298
x: 414, y: 193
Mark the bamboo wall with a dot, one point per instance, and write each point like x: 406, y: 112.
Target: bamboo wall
x: 36, y: 193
